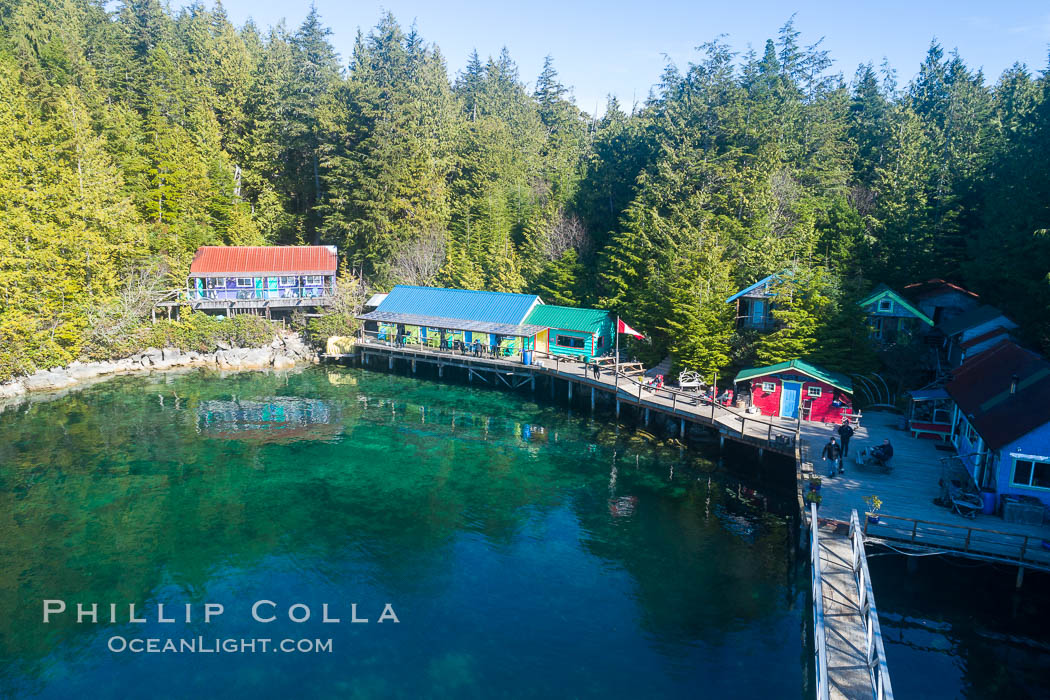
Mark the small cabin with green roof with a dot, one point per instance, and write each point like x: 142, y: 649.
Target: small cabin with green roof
x: 892, y: 318
x: 573, y: 332
x: 798, y: 389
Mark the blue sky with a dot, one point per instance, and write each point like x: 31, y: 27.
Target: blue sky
x: 621, y: 47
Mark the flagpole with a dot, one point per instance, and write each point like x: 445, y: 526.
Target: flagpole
x: 616, y: 366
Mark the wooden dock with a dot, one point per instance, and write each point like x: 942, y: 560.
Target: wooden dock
x: 627, y: 388
x: 909, y: 520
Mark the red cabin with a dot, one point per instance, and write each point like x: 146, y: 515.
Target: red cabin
x: 797, y: 388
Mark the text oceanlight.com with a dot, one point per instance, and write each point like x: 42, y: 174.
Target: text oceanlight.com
x: 200, y: 645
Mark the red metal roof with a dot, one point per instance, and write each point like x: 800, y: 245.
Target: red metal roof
x: 918, y: 290
x: 230, y: 261
x: 981, y: 390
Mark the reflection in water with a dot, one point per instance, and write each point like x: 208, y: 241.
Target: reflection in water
x: 274, y: 419
x: 528, y: 554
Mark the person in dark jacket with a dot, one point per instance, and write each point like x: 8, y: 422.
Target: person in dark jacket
x: 833, y: 453
x: 882, y: 453
x: 845, y: 432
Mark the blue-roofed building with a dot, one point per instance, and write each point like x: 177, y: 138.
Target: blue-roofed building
x: 465, y: 304
x: 435, y: 315
x: 753, y: 304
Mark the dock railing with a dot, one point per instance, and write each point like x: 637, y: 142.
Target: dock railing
x: 978, y: 542
x: 820, y: 643
x: 760, y: 431
x: 878, y: 670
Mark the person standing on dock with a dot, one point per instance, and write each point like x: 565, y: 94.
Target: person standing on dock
x: 845, y: 432
x: 833, y: 453
x: 596, y: 371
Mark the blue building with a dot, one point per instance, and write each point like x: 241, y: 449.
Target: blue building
x: 1001, y: 420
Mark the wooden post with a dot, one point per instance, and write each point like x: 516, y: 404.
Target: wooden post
x: 617, y: 408
x: 552, y: 387
x: 681, y: 428
x: 646, y: 416
x: 390, y: 364
x: 532, y: 381
x: 1020, y: 576
x: 570, y: 389
x: 592, y: 399
x: 441, y: 370
x: 413, y: 365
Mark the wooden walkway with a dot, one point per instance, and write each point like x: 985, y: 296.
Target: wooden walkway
x: 733, y: 424
x: 843, y: 619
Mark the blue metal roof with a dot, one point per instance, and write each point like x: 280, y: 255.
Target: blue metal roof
x: 756, y: 285
x: 464, y: 304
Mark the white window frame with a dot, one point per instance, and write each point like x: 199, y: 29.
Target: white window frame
x: 313, y: 280
x: 885, y: 305
x: 217, y: 283
x: 814, y: 392
x: 286, y: 281
x: 1031, y: 474
x: 769, y: 387
x: 242, y: 280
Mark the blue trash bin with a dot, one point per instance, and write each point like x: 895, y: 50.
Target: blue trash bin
x: 526, y: 357
x: 989, y: 499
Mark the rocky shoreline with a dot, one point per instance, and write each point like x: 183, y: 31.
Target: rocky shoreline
x: 285, y: 352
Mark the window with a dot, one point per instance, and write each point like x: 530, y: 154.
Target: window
x: 769, y: 387
x: 313, y: 280
x: 244, y: 281
x: 601, y: 342
x: 569, y: 341
x: 287, y: 281
x: 886, y: 305
x: 1030, y: 473
x: 814, y: 392
x: 216, y: 283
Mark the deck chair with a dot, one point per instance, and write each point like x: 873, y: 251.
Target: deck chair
x: 965, y: 504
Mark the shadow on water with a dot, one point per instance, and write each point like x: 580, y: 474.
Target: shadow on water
x: 528, y: 553
x: 956, y: 628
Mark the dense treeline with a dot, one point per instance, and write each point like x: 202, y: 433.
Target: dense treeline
x: 130, y: 137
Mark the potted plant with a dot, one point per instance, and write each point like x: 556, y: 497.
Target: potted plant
x: 814, y: 497
x: 874, y: 503
x: 814, y: 483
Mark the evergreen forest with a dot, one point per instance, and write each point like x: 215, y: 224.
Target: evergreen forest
x: 131, y: 134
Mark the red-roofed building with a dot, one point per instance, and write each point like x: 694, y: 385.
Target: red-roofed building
x: 262, y: 277
x: 1001, y: 420
x: 941, y: 300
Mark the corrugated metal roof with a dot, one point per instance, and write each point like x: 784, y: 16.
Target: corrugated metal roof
x: 981, y: 390
x: 463, y: 304
x: 975, y: 317
x: 839, y: 381
x: 375, y: 300
x: 230, y: 261
x: 569, y: 319
x: 883, y: 291
x: 454, y: 324
x: 776, y: 276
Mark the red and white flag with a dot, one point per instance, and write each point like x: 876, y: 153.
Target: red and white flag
x: 622, y: 327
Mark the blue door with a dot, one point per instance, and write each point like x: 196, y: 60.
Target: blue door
x: 790, y: 394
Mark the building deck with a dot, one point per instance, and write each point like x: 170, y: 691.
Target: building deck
x: 909, y: 518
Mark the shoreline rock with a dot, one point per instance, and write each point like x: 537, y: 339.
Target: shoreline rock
x: 285, y: 352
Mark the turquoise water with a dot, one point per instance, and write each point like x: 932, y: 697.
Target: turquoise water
x: 526, y: 552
